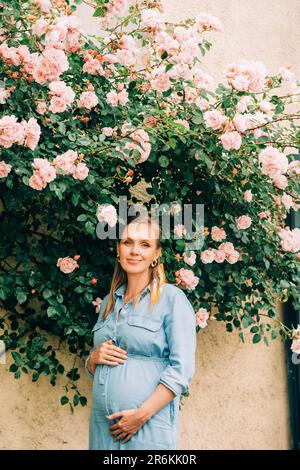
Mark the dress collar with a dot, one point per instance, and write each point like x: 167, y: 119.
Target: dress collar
x: 121, y: 290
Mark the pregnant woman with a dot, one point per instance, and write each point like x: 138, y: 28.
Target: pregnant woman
x: 144, y: 349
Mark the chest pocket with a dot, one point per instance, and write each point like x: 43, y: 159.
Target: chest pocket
x: 146, y: 323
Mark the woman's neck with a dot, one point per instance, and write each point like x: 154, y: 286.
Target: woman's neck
x: 136, y: 283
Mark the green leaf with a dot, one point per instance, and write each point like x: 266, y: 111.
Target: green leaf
x: 52, y: 312
x: 163, y: 161
x: 21, y: 295
x: 64, y: 400
x: 273, y: 334
x: 83, y: 401
x: 82, y: 217
x: 256, y: 338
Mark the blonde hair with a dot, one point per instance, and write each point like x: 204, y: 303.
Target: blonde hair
x: 158, y: 277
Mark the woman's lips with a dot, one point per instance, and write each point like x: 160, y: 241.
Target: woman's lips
x: 133, y: 261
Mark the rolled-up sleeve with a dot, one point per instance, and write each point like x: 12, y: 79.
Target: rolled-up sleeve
x: 180, y: 328
x: 91, y: 376
x: 103, y: 305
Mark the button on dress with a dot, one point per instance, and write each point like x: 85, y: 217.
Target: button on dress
x: 161, y: 346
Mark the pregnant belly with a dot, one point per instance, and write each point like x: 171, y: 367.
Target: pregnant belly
x: 128, y: 385
x: 131, y: 383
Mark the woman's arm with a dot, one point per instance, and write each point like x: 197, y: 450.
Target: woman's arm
x: 180, y: 327
x: 159, y: 398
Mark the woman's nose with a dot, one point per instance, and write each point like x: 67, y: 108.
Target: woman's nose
x: 135, y: 249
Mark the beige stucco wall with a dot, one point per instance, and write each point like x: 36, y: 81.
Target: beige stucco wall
x: 238, y: 398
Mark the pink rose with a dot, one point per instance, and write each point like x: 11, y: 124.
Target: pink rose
x: 231, y: 140
x: 227, y: 247
x: 264, y: 214
x: 207, y: 256
x: 214, y: 119
x: 81, y: 171
x: 219, y: 256
x: 66, y: 162
x: 280, y: 181
x: 190, y: 260
x: 41, y: 107
x: 44, y: 169
x: 36, y: 182
x: 123, y: 97
x: 32, y: 133
x: 97, y: 303
x: 108, y: 131
x: 179, y: 230
x: 50, y: 65
x: 290, y: 239
x: 233, y: 257
x: 107, y: 213
x: 218, y: 234
x: 11, y: 131
x: 273, y: 162
x: 67, y: 265
x: 243, y: 222
x: 202, y: 316
x: 112, y: 98
x: 88, y: 100
x: 248, y: 195
x: 186, y: 278
x: 5, y: 169
x: 295, y: 347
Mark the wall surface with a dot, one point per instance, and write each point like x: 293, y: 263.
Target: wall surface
x: 238, y: 398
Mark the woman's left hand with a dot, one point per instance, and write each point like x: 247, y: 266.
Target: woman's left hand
x: 129, y: 424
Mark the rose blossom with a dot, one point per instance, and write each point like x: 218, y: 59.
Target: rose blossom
x: 190, y: 260
x: 290, y: 239
x: 219, y: 255
x: 80, y: 172
x: 66, y: 162
x: 187, y: 278
x: 97, y: 302
x: 214, y: 119
x: 180, y: 230
x: 107, y: 213
x: 5, y: 168
x: 11, y: 131
x: 50, y: 65
x: 273, y: 162
x: 88, y: 100
x: 243, y: 222
x: 202, y: 316
x: 207, y: 256
x: 248, y: 195
x: 32, y: 133
x: 231, y: 140
x: 218, y: 234
x: 67, y: 265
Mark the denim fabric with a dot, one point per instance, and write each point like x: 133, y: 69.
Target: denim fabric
x: 161, y: 346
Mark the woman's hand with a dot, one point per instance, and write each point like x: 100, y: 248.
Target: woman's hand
x: 129, y: 424
x: 108, y: 353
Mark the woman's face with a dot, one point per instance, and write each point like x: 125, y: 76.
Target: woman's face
x: 137, y: 247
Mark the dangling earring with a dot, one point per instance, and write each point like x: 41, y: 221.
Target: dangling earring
x: 154, y: 261
x: 118, y: 257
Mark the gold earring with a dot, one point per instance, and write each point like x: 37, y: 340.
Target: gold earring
x: 153, y: 265
x: 118, y: 257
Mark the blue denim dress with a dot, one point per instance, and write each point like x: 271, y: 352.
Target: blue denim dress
x: 161, y: 346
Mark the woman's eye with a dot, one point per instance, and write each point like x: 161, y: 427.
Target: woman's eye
x: 145, y: 245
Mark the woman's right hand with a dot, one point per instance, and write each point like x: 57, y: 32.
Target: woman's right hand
x: 108, y: 353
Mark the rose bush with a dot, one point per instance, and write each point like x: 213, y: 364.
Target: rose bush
x: 83, y: 119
